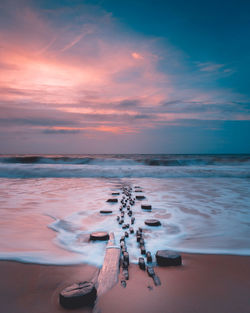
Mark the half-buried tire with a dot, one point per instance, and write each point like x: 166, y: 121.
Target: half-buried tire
x: 152, y: 222
x: 100, y: 235
x: 147, y: 207
x: 78, y: 295
x: 140, y: 197
x: 106, y: 211
x: 112, y: 200
x: 168, y: 258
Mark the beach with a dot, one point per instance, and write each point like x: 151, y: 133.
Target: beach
x: 204, y: 283
x: 49, y: 206
x: 124, y: 156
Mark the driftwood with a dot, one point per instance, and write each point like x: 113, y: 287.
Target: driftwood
x: 108, y: 275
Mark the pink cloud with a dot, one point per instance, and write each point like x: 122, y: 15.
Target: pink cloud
x: 94, y: 76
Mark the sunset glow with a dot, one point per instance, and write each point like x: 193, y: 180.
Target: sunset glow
x: 82, y: 74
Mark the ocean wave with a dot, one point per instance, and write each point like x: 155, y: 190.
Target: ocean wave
x: 36, y: 159
x: 99, y: 171
x: 130, y: 160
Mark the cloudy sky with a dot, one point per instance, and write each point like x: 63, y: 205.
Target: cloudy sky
x: 134, y: 76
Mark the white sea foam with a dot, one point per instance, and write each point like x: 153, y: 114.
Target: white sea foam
x: 49, y: 220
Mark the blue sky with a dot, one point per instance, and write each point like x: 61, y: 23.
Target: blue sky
x: 125, y: 76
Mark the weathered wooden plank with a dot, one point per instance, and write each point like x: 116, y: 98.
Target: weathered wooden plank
x: 108, y: 275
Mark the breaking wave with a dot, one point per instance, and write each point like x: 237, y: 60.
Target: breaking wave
x: 126, y: 159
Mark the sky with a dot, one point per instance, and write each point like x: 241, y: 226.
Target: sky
x: 109, y: 76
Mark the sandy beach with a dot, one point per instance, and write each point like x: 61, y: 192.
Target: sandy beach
x: 204, y: 283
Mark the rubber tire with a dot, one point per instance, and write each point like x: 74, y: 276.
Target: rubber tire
x: 99, y: 236
x: 106, y: 211
x: 140, y: 197
x: 147, y: 207
x: 78, y: 295
x: 112, y: 200
x: 152, y: 222
x: 168, y: 258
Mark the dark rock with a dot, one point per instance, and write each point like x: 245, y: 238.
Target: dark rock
x: 138, y: 233
x: 125, y: 273
x: 150, y: 271
x: 106, y: 211
x: 78, y: 295
x: 122, y: 238
x: 152, y: 222
x: 143, y: 250
x: 124, y: 249
x: 149, y: 257
x: 168, y: 258
x: 99, y: 236
x: 141, y: 242
x: 147, y: 207
x: 113, y: 200
x: 157, y: 281
x: 123, y: 283
x: 125, y: 264
x: 141, y: 264
x: 126, y: 257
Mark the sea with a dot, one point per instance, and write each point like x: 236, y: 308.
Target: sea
x: 49, y: 204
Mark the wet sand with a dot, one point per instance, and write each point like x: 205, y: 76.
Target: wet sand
x: 205, y: 283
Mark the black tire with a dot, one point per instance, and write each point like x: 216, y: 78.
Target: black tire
x: 147, y: 207
x: 168, y: 258
x: 140, y: 197
x: 112, y: 200
x: 106, y: 211
x: 152, y: 222
x: 99, y: 236
x: 78, y: 295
